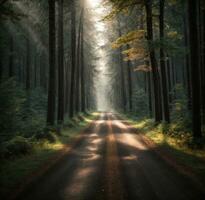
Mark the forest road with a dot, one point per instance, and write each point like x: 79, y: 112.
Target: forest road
x: 112, y: 163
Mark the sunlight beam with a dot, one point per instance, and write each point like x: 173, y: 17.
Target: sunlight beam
x: 96, y: 12
x: 93, y: 3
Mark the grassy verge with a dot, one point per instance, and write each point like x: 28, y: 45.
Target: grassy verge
x: 178, y: 143
x: 13, y: 171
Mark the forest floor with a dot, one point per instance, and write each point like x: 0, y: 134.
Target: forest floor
x: 114, y: 161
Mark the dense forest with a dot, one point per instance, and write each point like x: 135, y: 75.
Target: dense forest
x: 62, y: 60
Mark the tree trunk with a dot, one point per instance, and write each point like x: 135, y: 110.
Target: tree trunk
x: 163, y: 65
x: 83, y: 106
x: 61, y: 81
x: 52, y: 67
x: 173, y: 78
x: 78, y: 66
x: 155, y: 71
x: 129, y: 75
x: 194, y: 50
x: 149, y: 92
x: 203, y: 58
x: 169, y: 78
x: 73, y: 57
x: 187, y: 62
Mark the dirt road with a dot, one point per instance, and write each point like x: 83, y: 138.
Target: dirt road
x: 112, y: 163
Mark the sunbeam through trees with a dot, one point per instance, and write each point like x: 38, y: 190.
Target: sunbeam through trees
x: 96, y: 88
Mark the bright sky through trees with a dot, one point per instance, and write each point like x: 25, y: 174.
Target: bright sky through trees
x: 96, y: 12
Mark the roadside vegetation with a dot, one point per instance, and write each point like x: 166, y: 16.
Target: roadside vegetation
x: 21, y: 156
x: 175, y: 138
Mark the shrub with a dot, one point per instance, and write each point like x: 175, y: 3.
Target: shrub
x: 15, y: 147
x: 20, y: 111
x: 69, y: 123
x: 181, y: 117
x: 48, y: 134
x: 81, y: 118
x: 33, y: 114
x: 12, y: 98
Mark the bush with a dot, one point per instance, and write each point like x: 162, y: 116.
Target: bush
x: 15, y: 147
x: 70, y: 123
x: 20, y: 111
x: 181, y: 117
x: 33, y: 114
x: 48, y: 134
x: 12, y: 98
x: 81, y: 118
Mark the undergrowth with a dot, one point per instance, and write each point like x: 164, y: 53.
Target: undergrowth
x: 21, y: 156
x: 177, y: 139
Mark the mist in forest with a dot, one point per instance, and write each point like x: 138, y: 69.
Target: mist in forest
x: 91, y: 90
x: 102, y: 65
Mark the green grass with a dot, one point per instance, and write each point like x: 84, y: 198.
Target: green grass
x: 178, y: 143
x: 13, y: 171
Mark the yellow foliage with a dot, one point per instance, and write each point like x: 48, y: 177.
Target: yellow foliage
x: 135, y: 53
x: 133, y: 36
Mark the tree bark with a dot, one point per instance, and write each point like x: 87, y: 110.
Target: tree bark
x: 154, y: 65
x: 194, y: 50
x: 203, y: 59
x: 78, y: 66
x: 129, y: 75
x: 61, y: 81
x: 169, y: 78
x: 52, y: 67
x: 163, y: 65
x: 187, y: 62
x: 149, y: 92
x: 83, y: 105
x: 73, y: 58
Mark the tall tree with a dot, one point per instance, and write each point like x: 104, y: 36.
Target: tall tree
x: 154, y: 65
x: 163, y: 64
x: 129, y: 76
x: 78, y: 66
x: 52, y: 66
x: 194, y: 52
x: 187, y: 58
x: 73, y: 57
x: 83, y: 106
x: 61, y: 70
